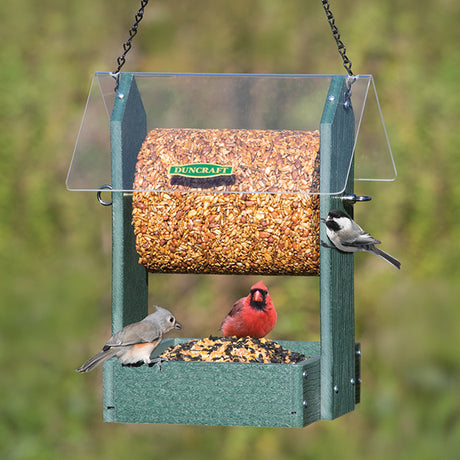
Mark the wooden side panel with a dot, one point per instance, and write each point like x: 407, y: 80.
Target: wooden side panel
x: 336, y: 268
x: 129, y: 279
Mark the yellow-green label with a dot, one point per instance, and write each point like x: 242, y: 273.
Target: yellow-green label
x: 200, y: 170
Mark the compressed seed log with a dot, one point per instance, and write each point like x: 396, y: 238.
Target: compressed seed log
x: 248, y: 215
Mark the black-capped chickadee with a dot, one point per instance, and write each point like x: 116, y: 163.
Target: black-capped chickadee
x: 348, y: 236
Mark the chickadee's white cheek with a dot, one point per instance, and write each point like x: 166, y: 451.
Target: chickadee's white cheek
x: 344, y: 223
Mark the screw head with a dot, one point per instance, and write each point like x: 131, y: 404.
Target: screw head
x: 120, y: 95
x: 352, y: 381
x: 305, y: 403
x: 336, y: 388
x: 331, y: 98
x: 305, y: 374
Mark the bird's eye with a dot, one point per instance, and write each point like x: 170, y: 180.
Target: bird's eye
x: 171, y: 319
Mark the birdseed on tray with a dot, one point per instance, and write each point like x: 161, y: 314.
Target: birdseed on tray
x: 232, y: 349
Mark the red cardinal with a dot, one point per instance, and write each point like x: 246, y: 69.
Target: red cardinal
x: 253, y: 316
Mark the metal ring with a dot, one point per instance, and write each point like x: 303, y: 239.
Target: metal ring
x: 99, y: 192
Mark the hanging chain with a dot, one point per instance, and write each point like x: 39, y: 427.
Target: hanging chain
x: 127, y: 44
x: 116, y: 75
x: 342, y: 51
x: 336, y: 34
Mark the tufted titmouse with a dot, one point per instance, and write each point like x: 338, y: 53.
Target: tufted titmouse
x: 348, y: 236
x: 135, y: 342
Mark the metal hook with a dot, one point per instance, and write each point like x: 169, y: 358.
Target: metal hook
x: 116, y: 77
x: 347, y: 97
x: 99, y: 193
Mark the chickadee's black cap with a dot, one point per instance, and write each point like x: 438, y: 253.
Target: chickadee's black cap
x: 336, y: 213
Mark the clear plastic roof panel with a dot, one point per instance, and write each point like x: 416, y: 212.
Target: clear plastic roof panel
x: 270, y: 116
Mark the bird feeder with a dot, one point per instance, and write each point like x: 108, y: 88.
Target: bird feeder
x: 225, y: 108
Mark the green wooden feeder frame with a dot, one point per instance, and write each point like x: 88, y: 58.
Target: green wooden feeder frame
x: 324, y: 387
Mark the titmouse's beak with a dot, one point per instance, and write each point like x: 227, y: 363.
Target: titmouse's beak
x: 178, y: 325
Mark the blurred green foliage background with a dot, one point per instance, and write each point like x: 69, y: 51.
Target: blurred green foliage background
x: 55, y: 246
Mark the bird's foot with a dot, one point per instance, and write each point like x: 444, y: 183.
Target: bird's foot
x: 325, y: 245
x: 157, y: 362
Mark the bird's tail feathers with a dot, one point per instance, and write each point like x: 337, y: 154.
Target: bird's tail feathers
x: 395, y: 262
x: 96, y: 360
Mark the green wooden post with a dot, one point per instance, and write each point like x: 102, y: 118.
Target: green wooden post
x: 128, y: 129
x: 338, y: 390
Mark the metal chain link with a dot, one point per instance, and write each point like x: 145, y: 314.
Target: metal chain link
x: 336, y: 34
x: 127, y: 45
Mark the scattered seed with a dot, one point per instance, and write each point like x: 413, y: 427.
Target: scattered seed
x: 232, y: 349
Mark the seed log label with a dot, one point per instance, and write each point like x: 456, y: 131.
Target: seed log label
x: 201, y: 175
x: 200, y: 170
